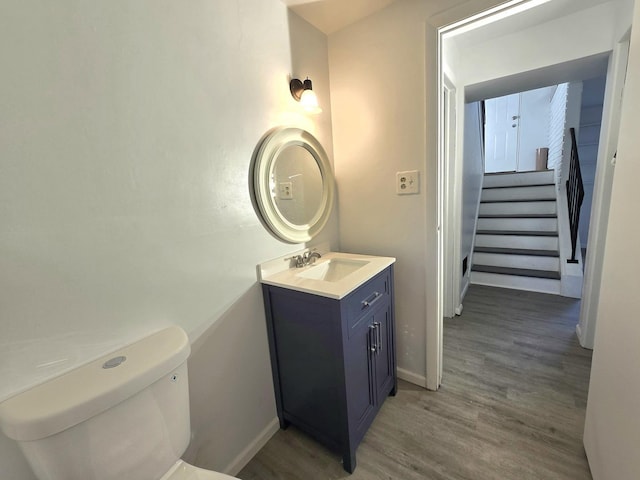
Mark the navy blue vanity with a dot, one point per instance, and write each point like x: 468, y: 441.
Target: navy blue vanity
x: 333, y: 359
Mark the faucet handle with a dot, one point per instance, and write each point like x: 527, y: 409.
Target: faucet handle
x: 296, y: 261
x: 310, y: 251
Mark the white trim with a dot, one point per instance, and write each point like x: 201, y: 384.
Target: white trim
x: 450, y: 223
x: 603, y: 184
x: 465, y: 289
x: 254, y: 447
x: 434, y: 325
x: 489, y: 16
x: 411, y: 377
x: 463, y: 293
x: 579, y: 334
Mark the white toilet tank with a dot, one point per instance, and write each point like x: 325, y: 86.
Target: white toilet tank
x: 124, y: 416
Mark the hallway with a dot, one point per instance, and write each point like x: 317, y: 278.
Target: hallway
x: 511, y: 405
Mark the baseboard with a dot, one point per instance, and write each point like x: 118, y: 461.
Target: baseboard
x: 254, y: 447
x: 411, y: 377
x: 579, y: 333
x: 581, y: 339
x: 270, y: 430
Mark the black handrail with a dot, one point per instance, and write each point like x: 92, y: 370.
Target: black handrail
x: 575, y: 195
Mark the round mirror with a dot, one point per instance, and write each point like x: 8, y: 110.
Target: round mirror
x: 292, y: 184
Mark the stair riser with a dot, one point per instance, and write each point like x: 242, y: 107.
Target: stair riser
x: 543, y: 285
x: 515, y: 208
x: 517, y: 261
x: 530, y: 224
x: 512, y: 179
x: 517, y: 241
x: 519, y: 193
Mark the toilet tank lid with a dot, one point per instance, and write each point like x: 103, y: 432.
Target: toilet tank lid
x: 80, y: 394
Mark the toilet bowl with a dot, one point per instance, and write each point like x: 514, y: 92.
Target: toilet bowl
x: 124, y: 416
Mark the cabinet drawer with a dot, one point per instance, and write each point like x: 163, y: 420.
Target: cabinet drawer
x: 366, y: 298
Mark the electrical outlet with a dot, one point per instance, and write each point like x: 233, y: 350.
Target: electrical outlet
x: 408, y: 183
x: 285, y: 191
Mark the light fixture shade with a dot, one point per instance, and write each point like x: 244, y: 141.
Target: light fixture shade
x: 309, y: 102
x: 303, y: 93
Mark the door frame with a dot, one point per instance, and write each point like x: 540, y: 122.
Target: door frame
x: 445, y: 217
x: 603, y: 186
x: 603, y: 181
x: 452, y: 200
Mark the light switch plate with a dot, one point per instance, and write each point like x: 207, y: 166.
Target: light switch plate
x: 408, y: 183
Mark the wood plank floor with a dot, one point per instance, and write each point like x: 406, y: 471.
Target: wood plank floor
x: 511, y: 405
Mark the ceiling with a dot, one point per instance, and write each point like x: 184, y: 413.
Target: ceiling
x: 329, y: 16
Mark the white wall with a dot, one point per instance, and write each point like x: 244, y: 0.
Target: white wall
x: 472, y: 175
x: 572, y: 273
x: 612, y: 429
x: 380, y: 130
x: 557, y: 124
x: 590, y: 122
x: 582, y: 34
x: 127, y: 133
x: 565, y: 110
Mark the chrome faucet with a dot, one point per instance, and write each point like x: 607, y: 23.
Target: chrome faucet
x: 310, y: 256
x: 307, y: 258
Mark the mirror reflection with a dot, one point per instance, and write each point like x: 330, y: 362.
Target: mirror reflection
x: 292, y: 184
x: 297, y: 182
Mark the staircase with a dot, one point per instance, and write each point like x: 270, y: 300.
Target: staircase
x: 516, y: 243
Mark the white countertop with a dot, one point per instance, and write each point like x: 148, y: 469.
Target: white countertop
x: 277, y: 273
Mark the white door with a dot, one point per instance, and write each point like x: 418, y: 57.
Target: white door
x: 502, y: 129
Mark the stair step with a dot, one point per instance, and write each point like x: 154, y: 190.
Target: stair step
x: 527, y: 233
x: 520, y: 193
x: 545, y: 207
x: 517, y: 241
x: 518, y: 224
x: 515, y: 200
x: 532, y: 284
x: 525, y: 262
x: 519, y: 272
x: 518, y: 251
x: 545, y: 184
x: 542, y: 177
x: 518, y: 215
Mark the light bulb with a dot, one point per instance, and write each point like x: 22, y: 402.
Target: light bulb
x: 309, y: 101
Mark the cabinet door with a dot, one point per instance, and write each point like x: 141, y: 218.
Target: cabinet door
x: 359, y: 372
x: 383, y: 355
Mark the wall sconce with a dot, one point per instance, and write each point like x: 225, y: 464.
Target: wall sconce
x: 303, y: 93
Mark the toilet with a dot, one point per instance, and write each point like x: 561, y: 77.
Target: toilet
x: 124, y: 416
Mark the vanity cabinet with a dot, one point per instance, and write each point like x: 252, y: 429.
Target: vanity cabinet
x: 333, y: 360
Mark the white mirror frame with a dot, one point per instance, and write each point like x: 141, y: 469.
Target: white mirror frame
x: 264, y: 163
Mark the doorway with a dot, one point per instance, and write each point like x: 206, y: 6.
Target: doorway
x: 584, y: 66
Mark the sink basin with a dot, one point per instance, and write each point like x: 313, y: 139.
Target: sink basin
x: 334, y: 275
x: 333, y: 270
